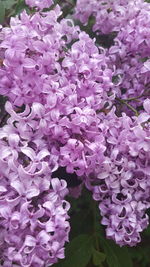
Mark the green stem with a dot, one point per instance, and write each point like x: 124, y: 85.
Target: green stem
x: 128, y: 105
x: 135, y: 98
x: 132, y: 98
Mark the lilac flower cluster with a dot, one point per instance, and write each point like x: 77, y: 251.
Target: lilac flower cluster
x: 129, y: 56
x: 123, y: 178
x: 121, y: 184
x: 62, y: 114
x: 33, y: 212
x: 70, y: 84
x: 110, y: 16
x: 54, y: 77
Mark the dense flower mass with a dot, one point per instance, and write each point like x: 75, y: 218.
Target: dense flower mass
x: 33, y: 211
x: 61, y: 88
x: 79, y: 112
x: 122, y: 183
x: 110, y: 16
x: 129, y: 55
x: 40, y: 66
x: 67, y: 84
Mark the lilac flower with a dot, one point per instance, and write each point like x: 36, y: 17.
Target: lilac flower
x: 37, y: 228
x: 33, y: 208
x: 130, y: 52
x: 123, y: 178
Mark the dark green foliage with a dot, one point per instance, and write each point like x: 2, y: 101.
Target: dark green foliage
x: 78, y: 252
x: 98, y: 258
x: 87, y: 240
x: 115, y: 255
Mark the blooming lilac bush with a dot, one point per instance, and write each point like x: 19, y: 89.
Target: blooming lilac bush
x: 77, y: 116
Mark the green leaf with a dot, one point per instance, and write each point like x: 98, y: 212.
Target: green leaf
x: 111, y: 256
x: 123, y: 256
x: 116, y: 256
x: 9, y: 3
x: 98, y: 257
x: 2, y: 12
x: 78, y: 252
x: 20, y: 7
x: 79, y: 223
x: 147, y: 231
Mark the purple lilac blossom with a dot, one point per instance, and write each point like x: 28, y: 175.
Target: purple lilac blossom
x: 110, y: 16
x: 129, y: 56
x: 33, y: 212
x: 66, y: 85
x: 38, y: 63
x: 123, y: 179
